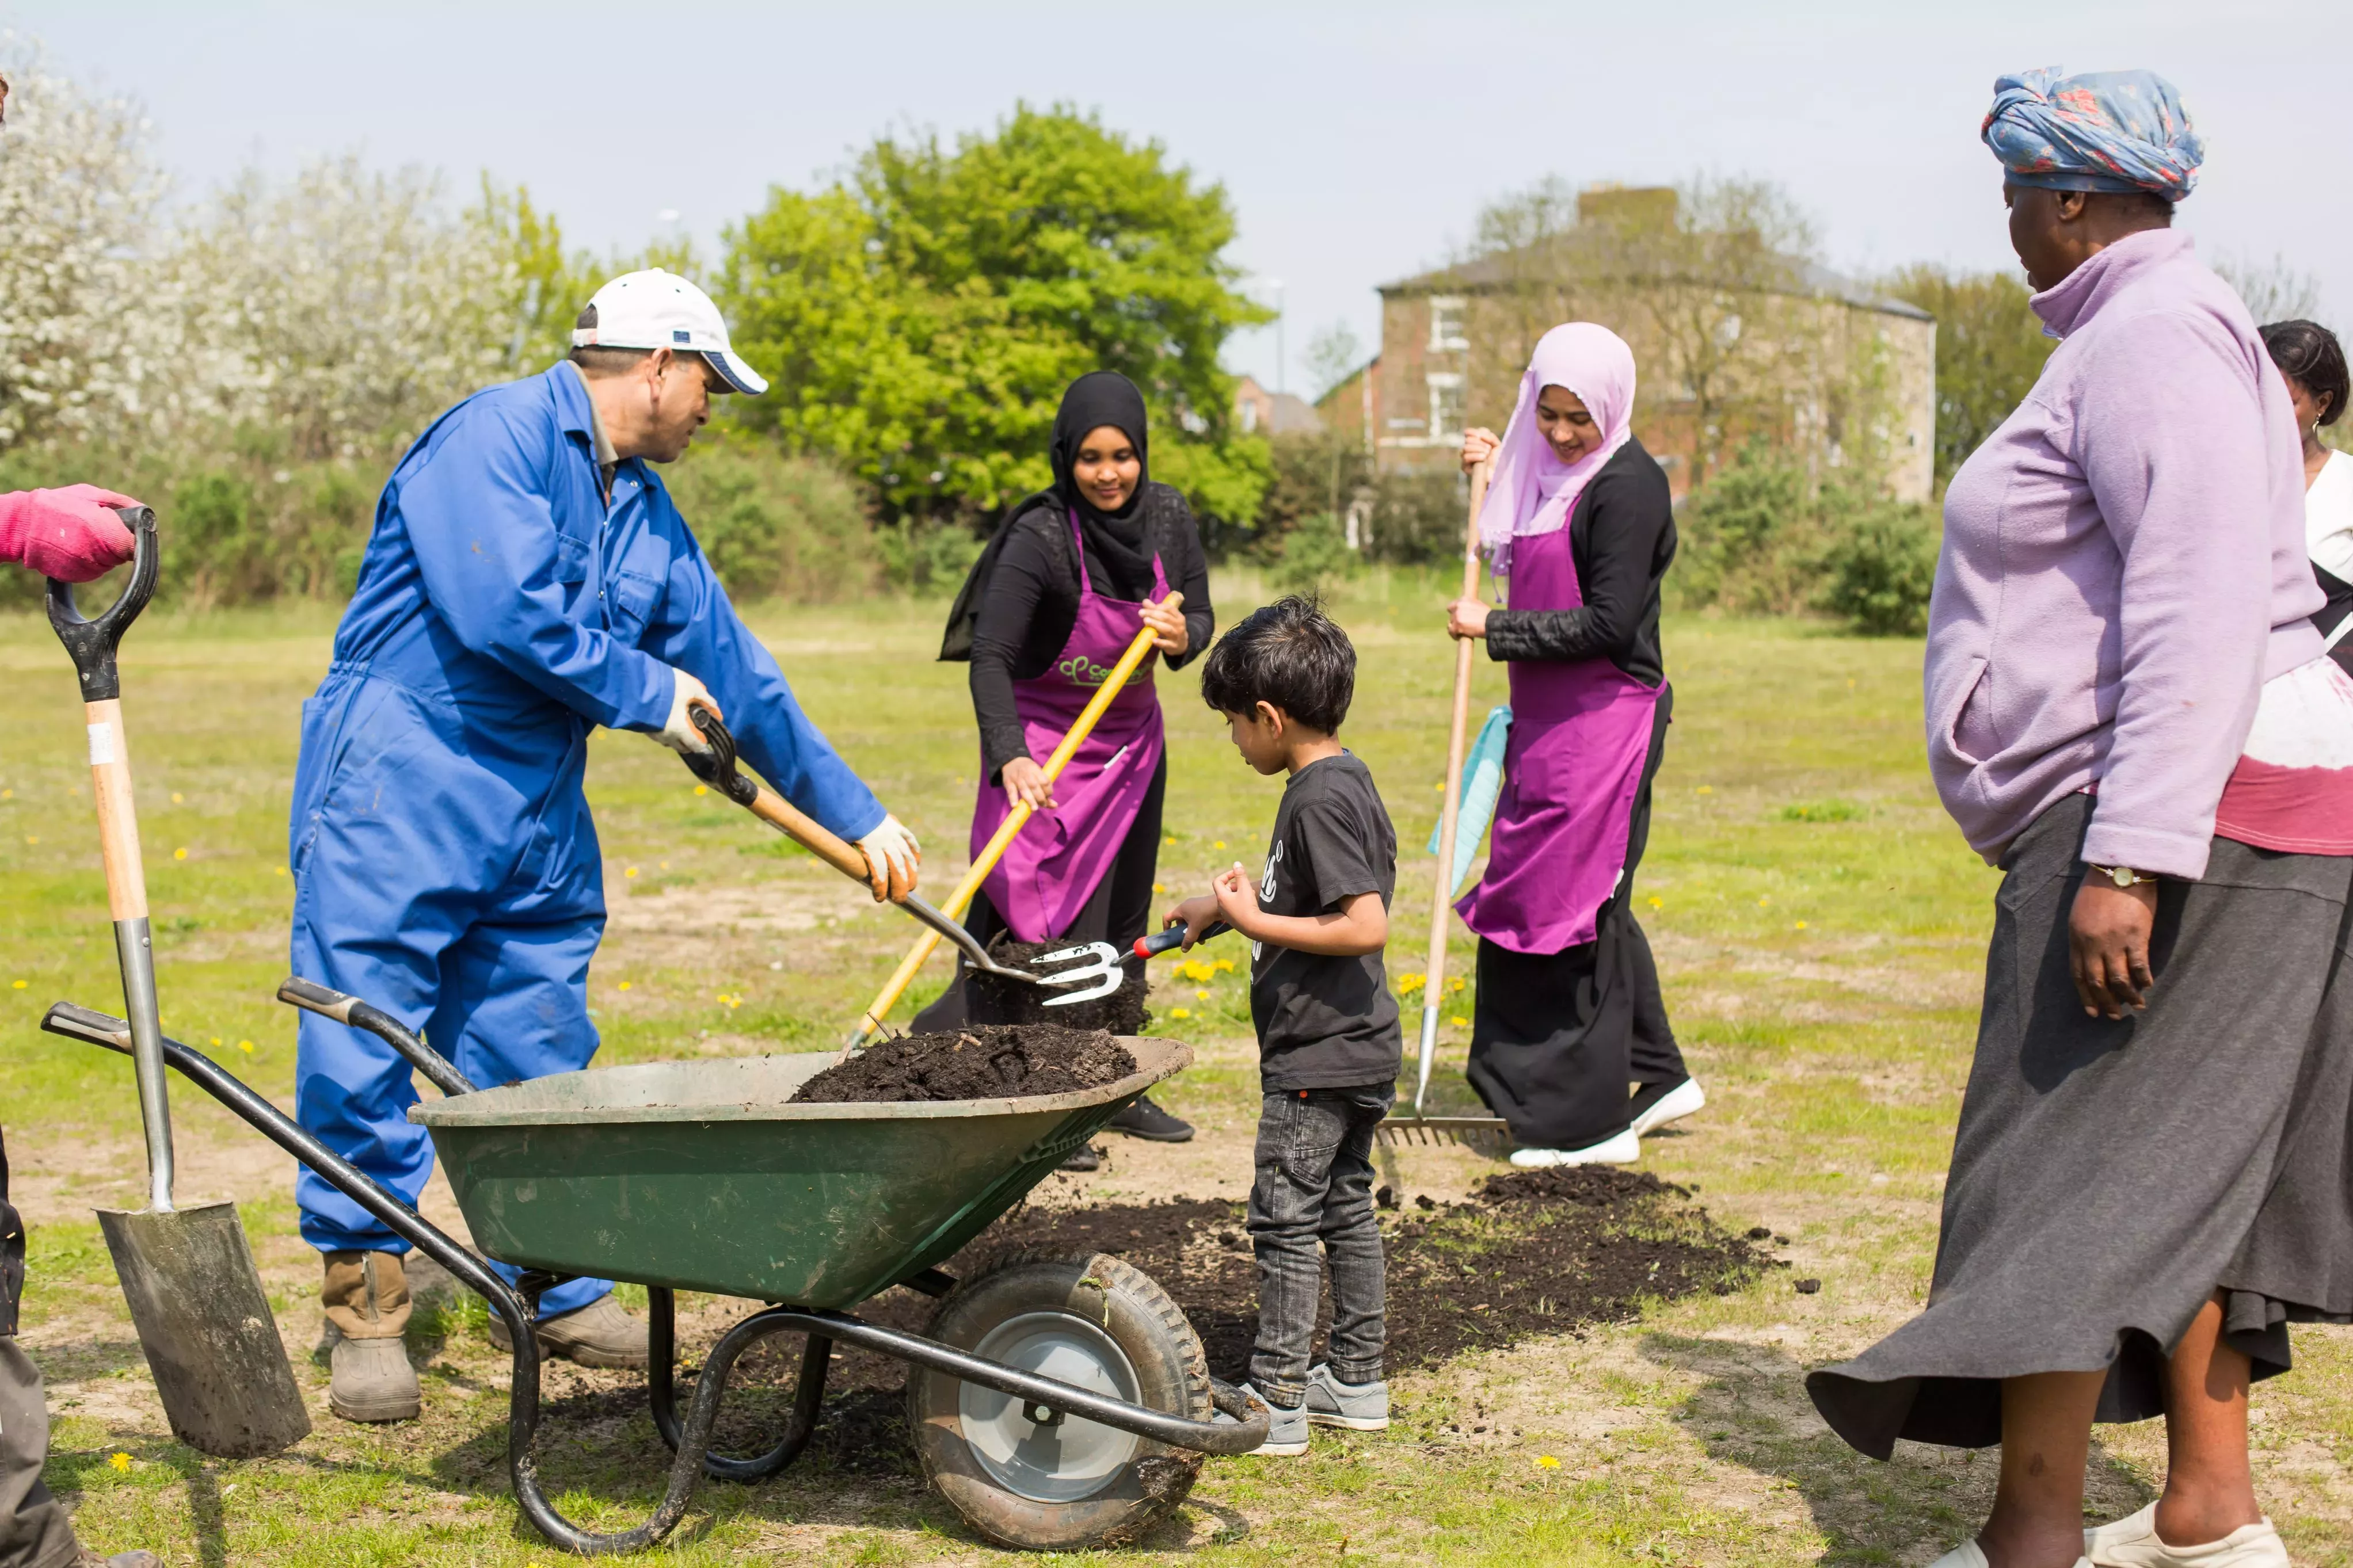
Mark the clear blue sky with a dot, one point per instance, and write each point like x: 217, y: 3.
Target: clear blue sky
x: 1357, y: 141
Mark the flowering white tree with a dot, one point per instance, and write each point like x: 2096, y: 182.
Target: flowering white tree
x: 346, y: 307
x: 89, y: 338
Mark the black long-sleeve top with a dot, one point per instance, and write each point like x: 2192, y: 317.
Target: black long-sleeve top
x: 1031, y: 602
x: 1621, y: 538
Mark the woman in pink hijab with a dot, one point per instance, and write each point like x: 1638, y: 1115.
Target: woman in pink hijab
x: 1571, y: 1043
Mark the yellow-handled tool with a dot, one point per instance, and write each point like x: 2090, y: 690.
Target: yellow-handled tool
x: 1138, y: 650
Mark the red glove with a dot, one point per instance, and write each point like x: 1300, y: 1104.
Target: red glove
x: 71, y: 534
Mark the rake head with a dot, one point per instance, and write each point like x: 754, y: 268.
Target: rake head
x: 1487, y: 1133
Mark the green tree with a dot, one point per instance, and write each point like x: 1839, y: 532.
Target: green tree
x: 1990, y: 350
x: 922, y: 316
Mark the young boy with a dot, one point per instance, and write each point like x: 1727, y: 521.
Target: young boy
x: 1329, y: 1047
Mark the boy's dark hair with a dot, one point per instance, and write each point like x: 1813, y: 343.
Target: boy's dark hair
x: 1289, y: 653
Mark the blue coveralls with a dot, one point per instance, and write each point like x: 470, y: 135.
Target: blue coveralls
x: 444, y: 865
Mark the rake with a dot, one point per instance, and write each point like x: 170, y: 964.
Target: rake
x: 1422, y: 1128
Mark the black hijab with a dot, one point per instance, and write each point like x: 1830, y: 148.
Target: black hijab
x: 1116, y: 546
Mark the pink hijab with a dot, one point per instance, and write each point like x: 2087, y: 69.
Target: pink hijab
x: 1532, y: 491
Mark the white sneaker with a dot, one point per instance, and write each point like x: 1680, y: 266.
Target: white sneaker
x: 1618, y: 1148
x: 1673, y: 1106
x: 2132, y: 1542
x: 1969, y: 1555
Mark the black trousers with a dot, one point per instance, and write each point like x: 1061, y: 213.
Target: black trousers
x: 1119, y: 910
x: 1560, y: 1039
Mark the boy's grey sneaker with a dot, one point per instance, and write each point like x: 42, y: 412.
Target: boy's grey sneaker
x: 1357, y: 1406
x: 1286, y: 1430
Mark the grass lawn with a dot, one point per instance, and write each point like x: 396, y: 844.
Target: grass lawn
x: 1819, y: 922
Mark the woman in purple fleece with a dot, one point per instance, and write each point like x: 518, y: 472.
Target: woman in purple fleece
x: 2130, y: 713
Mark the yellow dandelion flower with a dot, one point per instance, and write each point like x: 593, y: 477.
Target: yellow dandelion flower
x: 217, y: 1040
x: 1657, y: 903
x: 702, y: 789
x: 1765, y: 899
x: 1801, y: 925
x: 1220, y: 844
x: 181, y: 853
x: 665, y: 864
x: 20, y: 984
x: 1410, y: 982
x: 7, y: 794
x: 1460, y: 1022
x: 1180, y: 1012
x: 630, y: 872
x: 245, y: 1046
x: 32, y: 839
x: 1455, y: 983
x: 121, y: 1462
x: 1159, y: 886
x: 1223, y: 966
x: 281, y: 870
x: 175, y: 797
x: 625, y: 985
x: 1546, y: 1462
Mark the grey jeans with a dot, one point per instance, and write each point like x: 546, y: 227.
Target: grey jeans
x: 1315, y: 1184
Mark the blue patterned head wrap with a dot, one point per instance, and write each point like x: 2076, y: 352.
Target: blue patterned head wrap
x: 2102, y: 131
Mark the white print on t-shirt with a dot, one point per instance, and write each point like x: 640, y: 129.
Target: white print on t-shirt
x: 1266, y: 892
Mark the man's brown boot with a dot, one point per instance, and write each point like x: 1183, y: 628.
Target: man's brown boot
x: 366, y: 1295
x: 598, y: 1334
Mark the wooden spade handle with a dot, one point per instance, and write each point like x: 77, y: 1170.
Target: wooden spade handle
x: 810, y: 834
x: 1442, y: 899
x: 118, y: 818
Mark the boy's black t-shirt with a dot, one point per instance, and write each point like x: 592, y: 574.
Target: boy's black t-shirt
x: 1325, y: 1022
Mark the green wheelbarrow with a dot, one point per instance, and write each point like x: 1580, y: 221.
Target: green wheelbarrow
x: 1057, y: 1402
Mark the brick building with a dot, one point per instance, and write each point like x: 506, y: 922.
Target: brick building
x: 1792, y: 353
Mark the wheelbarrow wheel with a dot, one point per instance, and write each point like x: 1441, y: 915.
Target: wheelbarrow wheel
x: 1060, y: 1482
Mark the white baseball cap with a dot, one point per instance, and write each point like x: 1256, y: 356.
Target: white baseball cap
x: 658, y: 310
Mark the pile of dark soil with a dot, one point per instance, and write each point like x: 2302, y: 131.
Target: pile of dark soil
x: 1029, y: 1061
x: 989, y: 1000
x: 1533, y: 1253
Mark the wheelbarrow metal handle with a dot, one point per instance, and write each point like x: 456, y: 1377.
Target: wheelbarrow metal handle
x: 91, y: 644
x: 313, y: 997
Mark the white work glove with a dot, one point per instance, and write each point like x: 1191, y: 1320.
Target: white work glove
x: 680, y: 733
x: 893, y: 858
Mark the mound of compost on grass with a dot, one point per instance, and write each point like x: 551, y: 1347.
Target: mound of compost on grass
x: 1030, y: 1061
x: 1532, y: 1253
x: 989, y: 1000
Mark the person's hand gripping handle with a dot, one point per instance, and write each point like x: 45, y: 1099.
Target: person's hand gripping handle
x: 91, y: 644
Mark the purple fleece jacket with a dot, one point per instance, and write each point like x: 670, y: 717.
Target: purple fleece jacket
x: 2123, y: 568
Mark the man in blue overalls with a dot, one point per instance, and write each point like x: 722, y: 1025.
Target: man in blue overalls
x: 527, y: 579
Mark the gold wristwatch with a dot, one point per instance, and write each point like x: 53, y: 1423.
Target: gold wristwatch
x: 2123, y: 876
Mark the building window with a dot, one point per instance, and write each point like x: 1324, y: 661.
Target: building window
x: 1445, y: 406
x: 1446, y: 330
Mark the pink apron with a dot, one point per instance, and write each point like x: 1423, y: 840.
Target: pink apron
x: 1580, y: 734
x: 1053, y: 865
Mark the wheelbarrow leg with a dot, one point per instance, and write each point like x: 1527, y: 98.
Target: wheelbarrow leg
x: 661, y: 1393
x: 523, y: 1407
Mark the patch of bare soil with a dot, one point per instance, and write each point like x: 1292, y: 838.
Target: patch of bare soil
x: 1031, y: 1060
x: 1530, y: 1254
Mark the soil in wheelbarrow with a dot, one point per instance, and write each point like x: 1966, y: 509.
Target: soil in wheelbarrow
x: 990, y: 1000
x: 1530, y: 1253
x: 974, y: 1064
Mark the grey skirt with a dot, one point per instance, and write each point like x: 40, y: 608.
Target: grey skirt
x: 2108, y: 1178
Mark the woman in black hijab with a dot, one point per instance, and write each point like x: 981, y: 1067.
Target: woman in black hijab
x: 1071, y: 576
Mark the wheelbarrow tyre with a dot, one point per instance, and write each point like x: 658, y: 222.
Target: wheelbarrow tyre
x: 1069, y: 1303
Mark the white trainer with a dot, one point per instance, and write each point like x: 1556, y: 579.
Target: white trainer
x: 1969, y: 1555
x: 2132, y: 1542
x: 1673, y: 1106
x: 1618, y: 1148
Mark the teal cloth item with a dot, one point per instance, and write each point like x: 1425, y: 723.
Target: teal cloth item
x: 1483, y: 783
